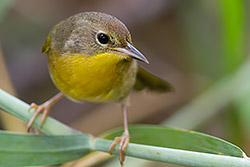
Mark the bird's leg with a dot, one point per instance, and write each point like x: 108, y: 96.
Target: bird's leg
x: 43, y: 108
x: 123, y: 139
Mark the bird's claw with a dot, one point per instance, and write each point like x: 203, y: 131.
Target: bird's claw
x: 124, y: 141
x: 44, y: 108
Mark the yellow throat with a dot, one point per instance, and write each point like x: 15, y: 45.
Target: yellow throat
x: 99, y: 78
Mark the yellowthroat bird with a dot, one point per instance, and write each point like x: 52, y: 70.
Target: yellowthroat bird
x: 91, y: 57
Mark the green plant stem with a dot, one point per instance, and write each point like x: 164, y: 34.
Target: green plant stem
x: 182, y: 157
x: 19, y: 109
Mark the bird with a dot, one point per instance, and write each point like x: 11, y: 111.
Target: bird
x: 91, y: 57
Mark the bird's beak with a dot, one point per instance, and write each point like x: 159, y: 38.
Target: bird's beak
x: 131, y: 51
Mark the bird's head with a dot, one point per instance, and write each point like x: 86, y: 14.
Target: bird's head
x: 91, y: 33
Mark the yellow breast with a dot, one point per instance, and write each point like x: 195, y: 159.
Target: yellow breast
x: 100, y: 78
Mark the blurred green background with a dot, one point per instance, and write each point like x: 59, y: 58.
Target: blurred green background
x: 199, y: 46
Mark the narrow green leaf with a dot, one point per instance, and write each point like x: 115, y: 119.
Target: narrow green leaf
x: 178, y: 139
x: 233, y: 32
x: 18, y: 149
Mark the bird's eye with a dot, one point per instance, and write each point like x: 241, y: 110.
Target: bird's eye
x: 102, y: 38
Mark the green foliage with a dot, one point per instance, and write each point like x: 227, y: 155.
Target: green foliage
x: 178, y: 139
x: 27, y: 149
x: 154, y: 143
x: 233, y: 38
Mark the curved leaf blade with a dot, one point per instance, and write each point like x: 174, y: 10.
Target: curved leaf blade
x: 31, y: 150
x: 177, y: 139
x: 18, y: 149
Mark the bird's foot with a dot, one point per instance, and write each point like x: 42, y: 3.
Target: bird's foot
x: 124, y: 140
x: 43, y: 108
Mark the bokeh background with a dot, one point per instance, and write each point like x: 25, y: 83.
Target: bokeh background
x: 199, y: 46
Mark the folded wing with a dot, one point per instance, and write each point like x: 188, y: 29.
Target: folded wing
x: 146, y: 80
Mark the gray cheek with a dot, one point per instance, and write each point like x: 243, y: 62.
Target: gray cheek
x: 78, y: 46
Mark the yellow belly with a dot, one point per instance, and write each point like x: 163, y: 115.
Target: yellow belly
x: 99, y: 78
